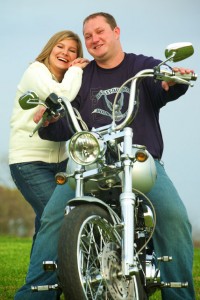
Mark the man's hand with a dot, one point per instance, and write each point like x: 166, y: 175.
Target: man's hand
x: 39, y: 115
x: 182, y: 71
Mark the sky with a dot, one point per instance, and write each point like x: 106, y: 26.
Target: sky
x: 147, y: 27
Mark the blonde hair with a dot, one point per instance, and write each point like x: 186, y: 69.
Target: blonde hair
x: 43, y: 57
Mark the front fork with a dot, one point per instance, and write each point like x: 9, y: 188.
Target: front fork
x: 127, y: 202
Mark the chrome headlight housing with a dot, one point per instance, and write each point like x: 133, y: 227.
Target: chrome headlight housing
x: 86, y: 147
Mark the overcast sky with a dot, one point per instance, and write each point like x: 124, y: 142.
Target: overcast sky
x: 147, y: 27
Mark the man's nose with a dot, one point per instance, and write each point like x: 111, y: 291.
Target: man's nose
x: 95, y: 38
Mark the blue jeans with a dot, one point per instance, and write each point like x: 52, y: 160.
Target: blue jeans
x: 36, y: 182
x: 172, y: 237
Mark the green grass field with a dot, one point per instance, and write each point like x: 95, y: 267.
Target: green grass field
x: 14, y: 258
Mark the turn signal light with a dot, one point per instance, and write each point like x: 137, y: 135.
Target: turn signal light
x: 141, y: 156
x: 61, y: 178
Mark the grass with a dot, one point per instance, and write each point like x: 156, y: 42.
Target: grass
x: 14, y: 257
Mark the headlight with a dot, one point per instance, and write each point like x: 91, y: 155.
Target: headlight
x: 85, y: 148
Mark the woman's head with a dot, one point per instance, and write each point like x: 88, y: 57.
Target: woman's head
x: 55, y: 39
x: 62, y: 48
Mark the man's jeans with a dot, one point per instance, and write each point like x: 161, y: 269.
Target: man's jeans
x: 172, y: 237
x: 36, y: 182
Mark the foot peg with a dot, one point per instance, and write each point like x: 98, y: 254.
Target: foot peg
x: 41, y: 288
x: 47, y: 266
x: 165, y: 258
x: 174, y: 284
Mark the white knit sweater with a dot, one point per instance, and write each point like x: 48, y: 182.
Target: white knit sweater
x: 38, y: 78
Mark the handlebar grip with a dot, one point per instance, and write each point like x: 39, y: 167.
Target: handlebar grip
x: 188, y: 77
x: 166, y: 73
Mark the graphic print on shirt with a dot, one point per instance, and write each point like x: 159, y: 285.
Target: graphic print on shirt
x: 103, y: 103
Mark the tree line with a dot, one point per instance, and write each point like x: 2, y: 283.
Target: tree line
x: 16, y: 215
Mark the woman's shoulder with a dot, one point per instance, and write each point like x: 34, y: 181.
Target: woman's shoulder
x: 34, y: 69
x: 37, y: 65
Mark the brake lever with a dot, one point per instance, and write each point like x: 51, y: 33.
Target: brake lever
x: 165, y: 73
x: 54, y: 108
x: 47, y: 116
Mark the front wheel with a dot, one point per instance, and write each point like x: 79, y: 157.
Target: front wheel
x: 89, y: 258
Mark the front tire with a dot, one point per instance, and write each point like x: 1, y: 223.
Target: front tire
x: 89, y: 258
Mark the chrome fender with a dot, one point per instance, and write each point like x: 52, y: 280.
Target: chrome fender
x: 92, y: 200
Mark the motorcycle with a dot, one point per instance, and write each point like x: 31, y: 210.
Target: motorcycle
x: 105, y: 249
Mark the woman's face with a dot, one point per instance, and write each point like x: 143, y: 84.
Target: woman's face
x: 61, y: 56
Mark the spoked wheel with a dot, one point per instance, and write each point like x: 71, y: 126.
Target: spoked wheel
x: 89, y: 258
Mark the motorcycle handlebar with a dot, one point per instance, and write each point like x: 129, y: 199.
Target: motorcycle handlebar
x: 58, y: 105
x: 161, y: 73
x: 166, y: 73
x: 188, y: 77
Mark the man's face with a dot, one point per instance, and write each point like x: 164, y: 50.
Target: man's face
x: 100, y: 39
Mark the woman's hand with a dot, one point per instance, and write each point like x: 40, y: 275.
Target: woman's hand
x: 80, y: 62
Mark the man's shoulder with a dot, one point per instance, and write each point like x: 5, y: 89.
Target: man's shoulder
x: 134, y: 56
x: 91, y: 65
x: 141, y: 60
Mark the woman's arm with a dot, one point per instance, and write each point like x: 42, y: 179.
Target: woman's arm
x: 39, y: 79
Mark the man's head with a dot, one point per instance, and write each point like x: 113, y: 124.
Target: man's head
x: 102, y: 39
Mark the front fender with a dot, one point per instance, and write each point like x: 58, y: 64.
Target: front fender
x: 93, y: 200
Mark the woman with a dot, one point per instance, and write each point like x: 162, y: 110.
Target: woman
x: 34, y: 162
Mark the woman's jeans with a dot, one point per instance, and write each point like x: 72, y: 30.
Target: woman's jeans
x: 172, y: 237
x: 36, y: 182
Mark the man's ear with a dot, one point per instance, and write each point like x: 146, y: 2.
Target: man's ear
x: 117, y: 32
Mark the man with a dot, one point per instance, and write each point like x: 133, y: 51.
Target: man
x: 102, y: 77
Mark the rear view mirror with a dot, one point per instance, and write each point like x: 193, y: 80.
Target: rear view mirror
x: 179, y: 51
x: 29, y: 100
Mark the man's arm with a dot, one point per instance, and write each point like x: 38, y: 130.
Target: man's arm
x: 56, y: 132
